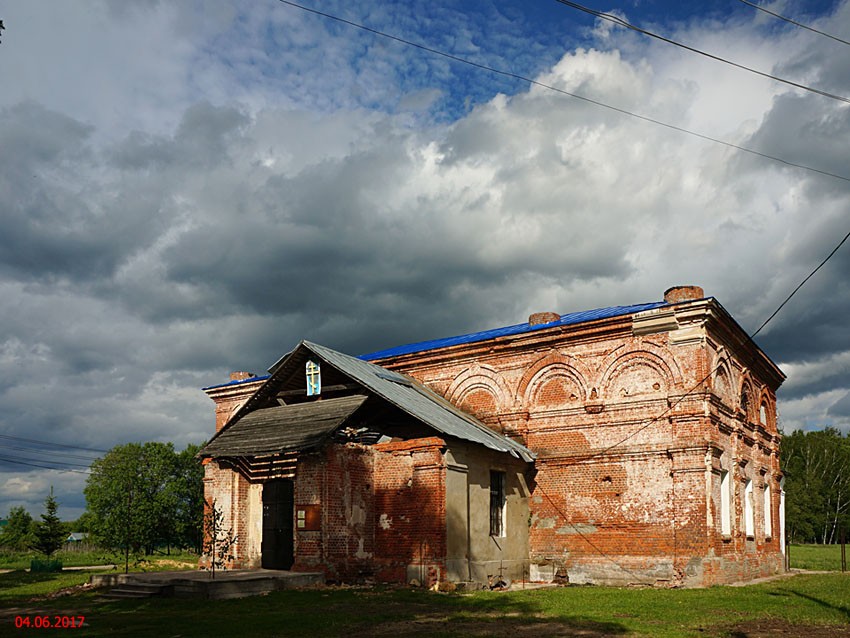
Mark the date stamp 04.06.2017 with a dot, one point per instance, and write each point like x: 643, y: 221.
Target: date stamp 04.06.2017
x: 49, y: 622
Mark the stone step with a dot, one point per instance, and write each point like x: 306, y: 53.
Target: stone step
x: 137, y: 590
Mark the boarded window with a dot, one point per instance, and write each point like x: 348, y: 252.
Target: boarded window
x: 749, y: 519
x: 497, y: 503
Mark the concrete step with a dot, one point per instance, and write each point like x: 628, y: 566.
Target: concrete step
x: 137, y: 590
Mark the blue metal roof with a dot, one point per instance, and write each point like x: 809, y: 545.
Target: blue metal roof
x: 565, y: 320
x: 237, y: 382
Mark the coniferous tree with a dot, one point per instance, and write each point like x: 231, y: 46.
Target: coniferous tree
x: 49, y: 532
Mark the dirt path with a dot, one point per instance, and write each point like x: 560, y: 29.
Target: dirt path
x: 766, y: 579
x: 780, y: 629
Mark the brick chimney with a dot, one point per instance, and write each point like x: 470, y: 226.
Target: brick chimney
x: 539, y: 318
x: 677, y: 294
x: 229, y: 397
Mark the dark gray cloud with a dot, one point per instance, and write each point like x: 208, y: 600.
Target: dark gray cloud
x: 840, y: 408
x: 238, y: 198
x: 63, y: 221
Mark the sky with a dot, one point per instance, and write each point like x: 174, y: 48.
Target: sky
x: 191, y: 188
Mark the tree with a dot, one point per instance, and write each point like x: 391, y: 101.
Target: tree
x: 50, y: 532
x: 219, y: 540
x: 139, y: 497
x: 188, y: 498
x: 18, y: 533
x: 817, y: 484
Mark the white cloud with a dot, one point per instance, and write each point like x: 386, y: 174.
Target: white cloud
x: 811, y: 412
x: 206, y: 206
x: 806, y: 374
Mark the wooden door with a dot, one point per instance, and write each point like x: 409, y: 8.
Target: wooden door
x: 278, y: 545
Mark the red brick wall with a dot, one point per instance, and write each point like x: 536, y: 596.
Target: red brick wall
x: 624, y: 491
x: 229, y: 398
x: 382, y: 507
x: 410, y: 510
x: 228, y: 492
x: 632, y: 419
x: 382, y: 511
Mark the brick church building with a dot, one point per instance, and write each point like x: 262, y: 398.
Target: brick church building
x: 625, y: 445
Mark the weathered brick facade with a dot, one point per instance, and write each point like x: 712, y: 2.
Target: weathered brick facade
x: 633, y: 419
x: 372, y: 498
x: 657, y: 459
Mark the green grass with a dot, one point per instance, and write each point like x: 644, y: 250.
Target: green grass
x: 817, y: 557
x: 813, y: 601
x: 21, y: 560
x: 19, y: 585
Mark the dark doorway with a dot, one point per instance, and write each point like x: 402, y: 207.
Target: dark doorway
x: 278, y: 506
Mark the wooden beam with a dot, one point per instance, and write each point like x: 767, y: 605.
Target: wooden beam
x: 329, y: 388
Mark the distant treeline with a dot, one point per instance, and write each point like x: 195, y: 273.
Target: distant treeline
x: 140, y: 498
x: 817, y: 485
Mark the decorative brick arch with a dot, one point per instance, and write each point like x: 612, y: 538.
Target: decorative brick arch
x: 766, y: 401
x: 479, y: 390
x: 650, y: 363
x: 553, y: 367
x: 747, y: 398
x: 721, y: 378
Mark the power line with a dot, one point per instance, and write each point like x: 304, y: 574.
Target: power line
x: 45, y: 467
x: 21, y: 448
x: 51, y: 444
x: 690, y: 392
x: 51, y: 461
x: 523, y: 78
x: 617, y: 20
x: 828, y: 257
x: 794, y: 22
x: 585, y: 537
x: 716, y: 368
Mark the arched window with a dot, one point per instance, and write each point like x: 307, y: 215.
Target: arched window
x: 763, y: 414
x: 745, y: 402
x: 314, y: 379
x: 722, y: 386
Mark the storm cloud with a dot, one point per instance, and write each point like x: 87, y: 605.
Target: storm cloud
x: 170, y: 218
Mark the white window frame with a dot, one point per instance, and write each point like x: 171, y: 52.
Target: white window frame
x: 313, y: 374
x: 725, y: 503
x: 749, y: 517
x: 768, y: 513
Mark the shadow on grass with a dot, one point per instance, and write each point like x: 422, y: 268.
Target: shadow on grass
x: 844, y: 609
x: 353, y: 613
x: 349, y: 612
x: 426, y: 614
x: 20, y: 577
